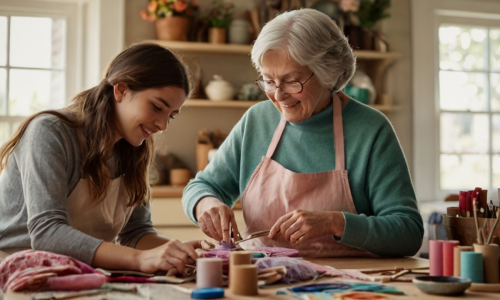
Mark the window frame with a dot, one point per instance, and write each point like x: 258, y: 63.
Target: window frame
x: 425, y: 71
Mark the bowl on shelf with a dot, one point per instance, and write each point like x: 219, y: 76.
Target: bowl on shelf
x: 442, y: 285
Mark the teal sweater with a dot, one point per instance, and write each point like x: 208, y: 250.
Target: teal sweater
x: 388, y: 223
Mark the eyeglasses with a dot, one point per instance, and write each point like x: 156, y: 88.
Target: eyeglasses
x: 291, y: 87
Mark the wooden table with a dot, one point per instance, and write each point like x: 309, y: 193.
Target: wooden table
x: 167, y: 291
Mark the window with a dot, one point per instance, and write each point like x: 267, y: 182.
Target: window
x: 32, y: 68
x: 456, y: 97
x: 469, y: 106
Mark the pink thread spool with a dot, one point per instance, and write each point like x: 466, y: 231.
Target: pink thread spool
x: 208, y: 272
x: 448, y: 256
x: 436, y: 258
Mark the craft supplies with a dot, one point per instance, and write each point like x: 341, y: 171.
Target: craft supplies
x: 453, y: 211
x: 208, y: 272
x: 490, y: 261
x: 243, y: 280
x: 461, y: 203
x: 497, y: 215
x: 329, y: 288
x: 296, y: 268
x: 442, y: 285
x: 207, y: 293
x: 448, y: 257
x: 468, y: 204
x: 456, y: 258
x: 471, y: 266
x: 436, y: 258
x: 360, y: 296
x: 239, y: 258
x: 478, y: 232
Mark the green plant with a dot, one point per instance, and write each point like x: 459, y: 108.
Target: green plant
x: 158, y: 9
x: 372, y: 11
x: 220, y: 14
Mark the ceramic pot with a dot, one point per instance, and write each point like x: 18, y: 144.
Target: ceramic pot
x: 219, y: 89
x: 180, y: 177
x: 217, y: 35
x: 239, y: 33
x: 173, y: 28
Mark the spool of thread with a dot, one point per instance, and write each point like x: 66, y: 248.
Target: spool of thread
x: 208, y: 272
x: 243, y: 280
x: 239, y: 258
x: 471, y: 266
x: 456, y: 258
x: 490, y: 261
x: 448, y: 257
x: 436, y: 258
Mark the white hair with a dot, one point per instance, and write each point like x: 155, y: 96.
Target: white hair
x: 312, y: 39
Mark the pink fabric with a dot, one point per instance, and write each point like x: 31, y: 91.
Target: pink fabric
x: 41, y: 270
x: 274, y: 191
x: 30, y: 269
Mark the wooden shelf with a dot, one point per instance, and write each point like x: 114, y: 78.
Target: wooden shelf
x: 166, y: 191
x: 198, y: 47
x: 247, y: 104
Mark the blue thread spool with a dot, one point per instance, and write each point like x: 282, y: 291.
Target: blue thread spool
x: 471, y: 266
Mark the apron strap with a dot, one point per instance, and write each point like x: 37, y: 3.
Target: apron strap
x: 338, y: 134
x: 276, y: 138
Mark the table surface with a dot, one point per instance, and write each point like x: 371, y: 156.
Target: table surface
x: 182, y: 291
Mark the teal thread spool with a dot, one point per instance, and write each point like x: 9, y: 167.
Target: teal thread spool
x: 471, y: 266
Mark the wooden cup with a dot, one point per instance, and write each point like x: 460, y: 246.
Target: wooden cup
x: 456, y: 258
x: 490, y: 261
x: 243, y: 280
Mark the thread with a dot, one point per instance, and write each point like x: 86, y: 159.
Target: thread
x: 490, y: 261
x: 208, y: 272
x: 243, y: 280
x: 436, y: 258
x: 471, y: 266
x: 456, y: 258
x: 448, y: 257
x: 239, y: 258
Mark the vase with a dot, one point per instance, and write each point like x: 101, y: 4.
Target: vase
x: 173, y: 28
x: 239, y: 33
x: 217, y: 35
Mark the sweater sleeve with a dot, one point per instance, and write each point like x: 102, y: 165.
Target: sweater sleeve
x: 221, y: 178
x: 43, y: 158
x: 139, y: 224
x: 396, y: 227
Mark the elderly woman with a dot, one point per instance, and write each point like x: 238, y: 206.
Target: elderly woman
x: 325, y: 174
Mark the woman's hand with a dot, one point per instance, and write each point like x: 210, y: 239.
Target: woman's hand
x: 300, y: 225
x: 215, y: 219
x: 173, y: 254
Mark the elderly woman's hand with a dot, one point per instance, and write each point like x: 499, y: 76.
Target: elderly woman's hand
x: 214, y: 219
x: 300, y: 225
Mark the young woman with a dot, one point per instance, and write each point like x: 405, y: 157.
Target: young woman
x: 75, y: 181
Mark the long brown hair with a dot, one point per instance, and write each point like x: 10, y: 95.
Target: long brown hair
x: 140, y: 67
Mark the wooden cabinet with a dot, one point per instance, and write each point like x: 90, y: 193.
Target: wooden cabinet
x: 170, y: 220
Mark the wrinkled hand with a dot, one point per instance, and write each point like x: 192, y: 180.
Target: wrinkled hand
x: 173, y: 254
x: 215, y: 218
x: 300, y: 225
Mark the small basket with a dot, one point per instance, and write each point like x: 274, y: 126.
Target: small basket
x: 463, y: 229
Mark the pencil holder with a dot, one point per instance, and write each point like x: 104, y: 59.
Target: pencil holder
x: 463, y: 229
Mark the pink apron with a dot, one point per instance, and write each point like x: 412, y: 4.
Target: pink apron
x: 274, y: 191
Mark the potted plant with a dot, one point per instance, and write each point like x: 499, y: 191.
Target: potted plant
x: 219, y: 17
x: 171, y: 17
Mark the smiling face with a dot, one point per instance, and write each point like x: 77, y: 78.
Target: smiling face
x: 279, y: 67
x: 141, y: 114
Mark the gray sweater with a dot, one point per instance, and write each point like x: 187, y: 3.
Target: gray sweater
x: 41, y: 173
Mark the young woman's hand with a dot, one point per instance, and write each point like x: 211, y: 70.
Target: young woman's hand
x: 173, y: 254
x: 215, y: 218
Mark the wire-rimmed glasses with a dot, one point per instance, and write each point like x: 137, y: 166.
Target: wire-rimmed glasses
x: 290, y: 87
